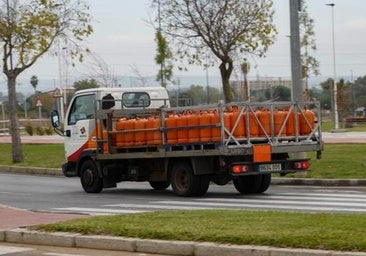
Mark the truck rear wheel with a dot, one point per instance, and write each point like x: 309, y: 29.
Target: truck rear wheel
x: 203, y: 185
x: 248, y: 184
x: 184, y: 182
x: 266, y: 181
x: 89, y: 178
x: 159, y: 185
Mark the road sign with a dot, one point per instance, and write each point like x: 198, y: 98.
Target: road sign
x: 39, y: 103
x: 57, y: 93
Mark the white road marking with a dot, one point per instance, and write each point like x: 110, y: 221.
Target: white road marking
x: 340, y: 202
x: 61, y: 254
x: 97, y: 210
x: 11, y: 249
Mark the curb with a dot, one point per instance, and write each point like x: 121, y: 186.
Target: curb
x: 75, y: 240
x: 275, y: 181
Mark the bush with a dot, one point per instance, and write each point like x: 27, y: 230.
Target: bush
x: 39, y: 130
x: 49, y: 130
x: 29, y: 129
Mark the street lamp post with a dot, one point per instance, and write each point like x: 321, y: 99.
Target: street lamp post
x: 335, y: 93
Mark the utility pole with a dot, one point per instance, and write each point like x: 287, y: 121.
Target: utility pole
x: 297, y: 90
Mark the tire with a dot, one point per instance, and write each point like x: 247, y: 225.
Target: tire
x: 266, y: 181
x: 248, y: 184
x: 89, y: 178
x: 184, y: 182
x: 203, y: 186
x: 159, y: 185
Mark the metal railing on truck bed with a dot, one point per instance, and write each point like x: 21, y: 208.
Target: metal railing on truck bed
x: 211, y: 129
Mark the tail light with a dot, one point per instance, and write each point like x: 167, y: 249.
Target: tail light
x: 237, y: 169
x: 301, y: 165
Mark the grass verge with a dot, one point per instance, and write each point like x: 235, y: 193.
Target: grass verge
x: 345, y: 232
x: 36, y: 155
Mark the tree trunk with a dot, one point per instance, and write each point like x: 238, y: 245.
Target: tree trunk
x: 17, y: 151
x: 225, y: 78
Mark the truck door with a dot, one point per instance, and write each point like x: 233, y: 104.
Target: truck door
x: 79, y: 125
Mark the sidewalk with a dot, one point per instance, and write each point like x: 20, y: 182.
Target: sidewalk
x: 15, y: 218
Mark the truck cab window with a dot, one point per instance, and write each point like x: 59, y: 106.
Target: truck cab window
x: 82, y: 108
x: 136, y: 100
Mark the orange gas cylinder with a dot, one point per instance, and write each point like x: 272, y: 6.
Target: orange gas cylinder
x: 130, y: 135
x: 140, y: 135
x: 279, y: 122
x: 306, y: 123
x: 171, y: 125
x: 290, y: 125
x: 105, y: 144
x: 205, y: 132
x: 153, y: 137
x: 227, y: 122
x: 193, y: 131
x: 215, y: 131
x: 239, y: 121
x: 120, y: 137
x: 253, y: 125
x: 264, y: 117
x: 182, y: 132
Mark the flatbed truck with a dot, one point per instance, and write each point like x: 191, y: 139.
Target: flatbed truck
x: 132, y: 134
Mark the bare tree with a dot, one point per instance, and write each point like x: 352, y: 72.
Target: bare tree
x: 28, y: 29
x: 100, y: 71
x: 226, y: 29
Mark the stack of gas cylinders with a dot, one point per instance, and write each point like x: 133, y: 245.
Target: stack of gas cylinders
x: 204, y: 126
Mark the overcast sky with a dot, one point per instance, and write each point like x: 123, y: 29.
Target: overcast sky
x: 125, y: 41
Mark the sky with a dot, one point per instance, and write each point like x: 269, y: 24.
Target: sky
x: 124, y: 40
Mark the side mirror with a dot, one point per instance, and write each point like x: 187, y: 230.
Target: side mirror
x: 55, y: 119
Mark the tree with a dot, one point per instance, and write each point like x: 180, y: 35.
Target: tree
x: 310, y: 65
x: 28, y: 29
x: 226, y: 29
x: 282, y: 93
x: 359, y: 91
x: 198, y: 94
x: 343, y: 98
x: 326, y: 99
x: 163, y: 58
x: 100, y: 71
x: 34, y: 83
x: 85, y: 84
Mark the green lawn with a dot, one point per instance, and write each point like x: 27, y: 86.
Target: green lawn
x: 269, y: 228
x: 37, y: 155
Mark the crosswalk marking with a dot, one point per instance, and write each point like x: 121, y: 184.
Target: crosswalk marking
x: 97, y: 210
x: 61, y: 254
x: 336, y: 202
x: 12, y: 249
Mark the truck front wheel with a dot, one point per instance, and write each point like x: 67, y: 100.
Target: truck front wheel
x: 89, y: 178
x: 184, y: 182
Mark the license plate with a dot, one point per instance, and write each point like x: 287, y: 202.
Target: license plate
x: 269, y: 167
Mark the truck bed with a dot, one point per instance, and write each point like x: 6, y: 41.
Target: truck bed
x: 222, y: 129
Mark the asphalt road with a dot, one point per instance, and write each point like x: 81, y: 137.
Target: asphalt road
x: 60, y: 194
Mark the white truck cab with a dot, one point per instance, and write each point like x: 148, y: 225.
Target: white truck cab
x: 80, y: 124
